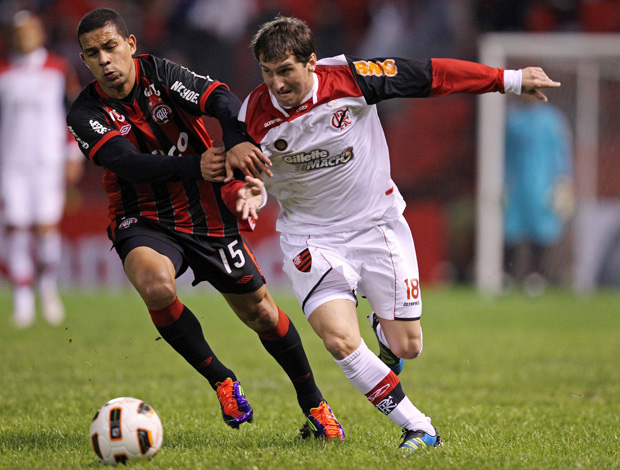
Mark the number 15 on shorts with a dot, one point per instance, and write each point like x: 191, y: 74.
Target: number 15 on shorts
x: 236, y: 256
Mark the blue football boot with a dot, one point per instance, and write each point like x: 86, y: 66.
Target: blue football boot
x: 414, y: 440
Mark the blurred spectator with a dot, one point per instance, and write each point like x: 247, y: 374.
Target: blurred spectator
x: 389, y: 23
x: 538, y: 185
x: 209, y: 33
x: 600, y: 16
x: 37, y: 156
x: 401, y: 28
x: 501, y: 15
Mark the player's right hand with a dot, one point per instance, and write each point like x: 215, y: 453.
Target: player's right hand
x: 534, y: 78
x: 249, y: 159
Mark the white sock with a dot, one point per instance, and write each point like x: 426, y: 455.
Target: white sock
x: 407, y: 416
x: 23, y: 306
x: 49, y: 252
x: 382, y: 387
x: 19, y: 257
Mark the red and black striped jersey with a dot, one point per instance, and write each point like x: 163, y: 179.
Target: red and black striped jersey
x: 162, y: 120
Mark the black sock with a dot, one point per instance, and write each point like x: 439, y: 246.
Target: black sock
x: 186, y: 337
x: 288, y: 351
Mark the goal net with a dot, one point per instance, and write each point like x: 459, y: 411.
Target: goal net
x: 586, y: 255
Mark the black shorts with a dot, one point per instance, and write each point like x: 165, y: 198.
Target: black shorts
x: 225, y: 262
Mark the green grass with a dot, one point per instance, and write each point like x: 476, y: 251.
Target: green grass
x: 511, y: 383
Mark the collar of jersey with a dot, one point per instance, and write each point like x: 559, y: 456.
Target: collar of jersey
x: 35, y: 58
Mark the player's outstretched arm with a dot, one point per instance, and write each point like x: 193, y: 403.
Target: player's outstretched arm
x: 249, y: 159
x: 250, y: 198
x: 535, y: 78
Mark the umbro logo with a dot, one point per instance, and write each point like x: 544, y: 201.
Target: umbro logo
x: 245, y: 279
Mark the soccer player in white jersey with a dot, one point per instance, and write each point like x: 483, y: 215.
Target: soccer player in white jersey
x: 37, y: 156
x: 341, y: 223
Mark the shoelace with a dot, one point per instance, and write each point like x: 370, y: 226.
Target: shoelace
x: 327, y: 419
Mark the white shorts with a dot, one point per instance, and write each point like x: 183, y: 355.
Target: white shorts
x: 378, y: 263
x: 33, y: 197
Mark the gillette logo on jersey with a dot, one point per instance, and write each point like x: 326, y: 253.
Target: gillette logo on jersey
x: 317, y: 159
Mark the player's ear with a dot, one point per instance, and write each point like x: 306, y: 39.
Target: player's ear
x: 132, y: 42
x: 312, y: 62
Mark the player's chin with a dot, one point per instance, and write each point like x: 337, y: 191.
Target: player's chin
x: 286, y: 99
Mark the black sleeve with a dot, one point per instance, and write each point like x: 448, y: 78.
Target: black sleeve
x: 224, y: 105
x: 189, y: 89
x: 120, y: 156
x: 384, y: 78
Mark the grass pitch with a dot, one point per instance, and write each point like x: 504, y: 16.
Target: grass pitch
x: 510, y: 383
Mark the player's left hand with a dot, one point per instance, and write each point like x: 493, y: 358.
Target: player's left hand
x: 249, y: 159
x: 534, y: 78
x: 250, y: 198
x: 212, y: 164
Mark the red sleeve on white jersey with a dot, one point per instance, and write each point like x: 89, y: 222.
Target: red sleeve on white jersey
x: 459, y: 76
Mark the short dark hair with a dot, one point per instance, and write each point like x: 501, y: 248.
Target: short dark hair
x: 281, y: 37
x: 100, y: 17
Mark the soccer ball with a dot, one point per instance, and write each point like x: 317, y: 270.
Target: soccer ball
x: 125, y: 429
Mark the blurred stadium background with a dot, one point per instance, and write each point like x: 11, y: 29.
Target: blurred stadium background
x: 437, y: 145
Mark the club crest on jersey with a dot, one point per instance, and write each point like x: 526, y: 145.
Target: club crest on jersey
x: 280, y: 145
x: 341, y: 119
x: 161, y: 113
x: 317, y: 159
x: 127, y: 222
x: 303, y: 261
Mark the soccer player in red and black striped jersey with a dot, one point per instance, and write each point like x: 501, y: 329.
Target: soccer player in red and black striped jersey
x: 141, y: 120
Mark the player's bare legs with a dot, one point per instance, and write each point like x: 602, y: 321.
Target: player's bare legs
x: 281, y: 339
x: 153, y: 276
x: 404, y: 338
x: 336, y: 323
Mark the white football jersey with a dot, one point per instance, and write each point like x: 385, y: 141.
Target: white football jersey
x: 330, y: 157
x: 33, y: 133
